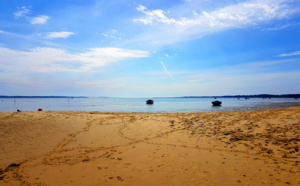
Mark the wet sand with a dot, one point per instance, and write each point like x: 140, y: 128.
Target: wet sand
x: 94, y: 148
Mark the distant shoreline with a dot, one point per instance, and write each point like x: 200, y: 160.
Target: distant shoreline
x: 249, y: 96
x: 70, y: 97
x: 264, y: 96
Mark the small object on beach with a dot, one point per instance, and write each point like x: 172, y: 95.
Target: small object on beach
x: 40, y: 109
x: 19, y: 110
x: 149, y: 102
x: 216, y: 103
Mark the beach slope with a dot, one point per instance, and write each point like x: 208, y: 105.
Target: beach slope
x: 95, y: 148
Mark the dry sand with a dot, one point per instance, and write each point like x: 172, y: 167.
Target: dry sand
x: 91, y: 148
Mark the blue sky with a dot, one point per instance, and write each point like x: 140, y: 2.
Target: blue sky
x: 148, y: 48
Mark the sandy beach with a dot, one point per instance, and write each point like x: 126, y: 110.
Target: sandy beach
x: 95, y: 148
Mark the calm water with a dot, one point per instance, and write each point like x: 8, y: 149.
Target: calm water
x: 139, y: 105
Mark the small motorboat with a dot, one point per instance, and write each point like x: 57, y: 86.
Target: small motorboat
x: 149, y: 102
x: 216, y: 103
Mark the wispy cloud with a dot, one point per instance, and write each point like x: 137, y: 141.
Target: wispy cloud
x: 113, y: 35
x: 168, y: 29
x: 152, y: 16
x: 297, y: 53
x: 48, y: 60
x: 280, y: 27
x: 22, y: 11
x: 55, y: 35
x: 40, y: 19
x: 20, y: 68
x: 245, y: 13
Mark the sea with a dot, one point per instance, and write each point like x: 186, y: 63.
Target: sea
x: 166, y: 104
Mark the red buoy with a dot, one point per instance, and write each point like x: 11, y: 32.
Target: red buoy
x: 40, y: 109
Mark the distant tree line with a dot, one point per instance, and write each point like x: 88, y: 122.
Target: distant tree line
x: 249, y: 96
x: 42, y: 97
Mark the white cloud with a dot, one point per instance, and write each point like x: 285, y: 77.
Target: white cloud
x: 40, y: 19
x: 63, y: 34
x: 105, y: 35
x: 195, y: 13
x: 249, y: 12
x: 171, y: 55
x: 280, y: 27
x: 297, y: 53
x: 47, y: 60
x: 113, y: 36
x: 141, y: 8
x: 18, y: 68
x: 167, y: 30
x: 58, y: 69
x: 22, y: 11
x: 153, y: 16
x: 114, y: 31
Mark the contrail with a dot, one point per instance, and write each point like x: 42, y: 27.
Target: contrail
x: 166, y: 70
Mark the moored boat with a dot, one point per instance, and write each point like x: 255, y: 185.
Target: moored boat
x: 149, y: 102
x: 216, y: 103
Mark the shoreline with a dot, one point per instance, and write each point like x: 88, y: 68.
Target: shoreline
x: 269, y: 106
x: 139, y: 105
x: 129, y: 148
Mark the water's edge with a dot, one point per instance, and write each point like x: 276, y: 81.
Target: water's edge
x: 139, y: 104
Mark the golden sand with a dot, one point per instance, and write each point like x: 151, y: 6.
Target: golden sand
x: 94, y: 148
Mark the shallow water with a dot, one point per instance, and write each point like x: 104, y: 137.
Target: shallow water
x: 139, y: 104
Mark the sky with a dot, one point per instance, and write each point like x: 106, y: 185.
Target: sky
x: 149, y: 48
